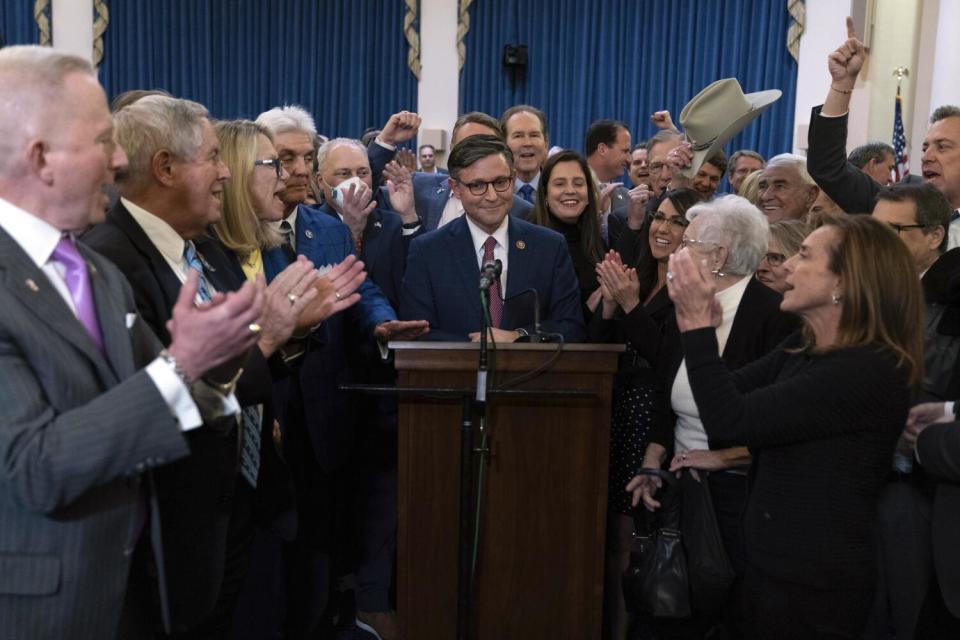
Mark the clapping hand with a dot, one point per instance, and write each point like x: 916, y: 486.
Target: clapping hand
x: 692, y: 290
x: 620, y: 281
x: 207, y: 335
x: 286, y: 298
x: 336, y: 291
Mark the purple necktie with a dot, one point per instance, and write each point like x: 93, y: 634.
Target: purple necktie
x: 78, y: 282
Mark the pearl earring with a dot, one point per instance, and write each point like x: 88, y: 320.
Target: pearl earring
x: 836, y: 298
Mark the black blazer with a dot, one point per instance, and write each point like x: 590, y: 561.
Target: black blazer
x: 852, y: 189
x: 938, y: 449
x: 822, y: 428
x: 194, y: 494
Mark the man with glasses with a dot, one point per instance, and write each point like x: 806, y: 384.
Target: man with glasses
x: 341, y: 435
x: 441, y: 283
x: 435, y: 202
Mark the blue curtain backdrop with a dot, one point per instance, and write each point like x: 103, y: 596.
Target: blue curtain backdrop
x: 17, y: 25
x: 625, y: 59
x: 343, y: 60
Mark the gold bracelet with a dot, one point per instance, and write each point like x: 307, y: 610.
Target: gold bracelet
x: 846, y: 93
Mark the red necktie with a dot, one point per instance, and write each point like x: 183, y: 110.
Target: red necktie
x: 496, y: 297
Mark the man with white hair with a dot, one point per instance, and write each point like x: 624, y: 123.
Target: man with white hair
x: 87, y: 406
x: 346, y: 345
x: 786, y: 189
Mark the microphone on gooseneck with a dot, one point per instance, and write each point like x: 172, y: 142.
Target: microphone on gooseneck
x: 489, y: 273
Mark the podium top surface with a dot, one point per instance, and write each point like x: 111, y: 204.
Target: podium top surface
x: 506, y: 346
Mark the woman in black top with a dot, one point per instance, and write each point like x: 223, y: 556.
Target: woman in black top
x: 821, y: 416
x: 567, y: 202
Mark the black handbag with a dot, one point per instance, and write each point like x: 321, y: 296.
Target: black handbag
x: 656, y: 580
x: 708, y: 567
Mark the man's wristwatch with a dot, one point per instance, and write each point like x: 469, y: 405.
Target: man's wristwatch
x: 412, y: 225
x: 228, y: 387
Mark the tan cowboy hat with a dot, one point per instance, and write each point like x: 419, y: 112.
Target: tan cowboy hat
x: 718, y: 113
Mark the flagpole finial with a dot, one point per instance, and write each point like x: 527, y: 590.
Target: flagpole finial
x: 901, y: 73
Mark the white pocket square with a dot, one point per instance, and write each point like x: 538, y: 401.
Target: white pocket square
x: 131, y: 318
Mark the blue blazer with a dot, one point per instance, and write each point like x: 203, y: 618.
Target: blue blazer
x: 314, y: 398
x: 442, y: 278
x: 326, y: 240
x: 430, y: 190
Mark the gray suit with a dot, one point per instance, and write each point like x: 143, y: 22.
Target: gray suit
x: 76, y: 430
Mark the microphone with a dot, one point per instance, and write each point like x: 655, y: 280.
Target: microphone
x: 489, y: 273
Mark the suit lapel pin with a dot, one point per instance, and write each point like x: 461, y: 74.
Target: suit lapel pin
x: 377, y: 224
x: 309, y: 234
x: 32, y: 285
x: 440, y: 189
x: 521, y: 245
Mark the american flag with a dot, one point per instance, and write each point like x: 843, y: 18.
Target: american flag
x: 902, y: 167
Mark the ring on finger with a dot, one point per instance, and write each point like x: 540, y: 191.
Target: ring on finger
x: 292, y: 297
x: 337, y: 294
x: 254, y: 327
x: 670, y: 275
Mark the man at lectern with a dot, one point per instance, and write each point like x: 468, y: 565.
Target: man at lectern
x: 532, y: 293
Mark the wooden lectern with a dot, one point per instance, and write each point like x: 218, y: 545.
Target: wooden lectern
x: 539, y: 564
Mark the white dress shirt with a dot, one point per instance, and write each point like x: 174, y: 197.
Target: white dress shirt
x: 500, y: 251
x: 38, y: 239
x: 451, y: 211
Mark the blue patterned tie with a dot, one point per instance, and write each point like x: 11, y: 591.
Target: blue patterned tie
x: 526, y: 192
x: 250, y: 416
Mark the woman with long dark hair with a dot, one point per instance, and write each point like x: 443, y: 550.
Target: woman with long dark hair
x: 567, y: 202
x: 641, y: 301
x: 821, y: 414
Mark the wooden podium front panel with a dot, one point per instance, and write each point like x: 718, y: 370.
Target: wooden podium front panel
x: 540, y: 560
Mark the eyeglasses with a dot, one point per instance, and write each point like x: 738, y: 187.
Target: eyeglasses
x: 270, y: 162
x: 774, y: 259
x: 698, y: 245
x: 480, y: 187
x: 678, y: 222
x: 901, y: 227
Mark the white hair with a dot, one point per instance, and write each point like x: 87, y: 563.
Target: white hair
x: 288, y: 118
x: 156, y: 123
x: 31, y: 93
x: 330, y: 145
x: 795, y: 162
x: 734, y: 223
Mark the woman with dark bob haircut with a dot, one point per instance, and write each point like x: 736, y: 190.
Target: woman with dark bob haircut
x: 821, y: 415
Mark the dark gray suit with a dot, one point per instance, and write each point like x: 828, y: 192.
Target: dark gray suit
x: 938, y: 447
x: 76, y: 430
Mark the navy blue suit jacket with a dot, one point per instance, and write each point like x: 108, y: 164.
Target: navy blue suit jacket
x: 431, y: 190
x: 442, y: 278
x: 325, y: 240
x: 317, y: 400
